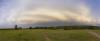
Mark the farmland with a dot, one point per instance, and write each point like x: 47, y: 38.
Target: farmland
x: 46, y: 35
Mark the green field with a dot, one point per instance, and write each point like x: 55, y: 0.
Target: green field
x: 97, y: 31
x: 46, y: 35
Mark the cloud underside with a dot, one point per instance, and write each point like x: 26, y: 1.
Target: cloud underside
x: 51, y: 15
x: 47, y: 15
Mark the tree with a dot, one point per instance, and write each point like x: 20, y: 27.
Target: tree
x: 16, y: 27
x: 30, y: 27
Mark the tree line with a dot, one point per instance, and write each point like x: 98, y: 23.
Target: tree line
x: 61, y: 27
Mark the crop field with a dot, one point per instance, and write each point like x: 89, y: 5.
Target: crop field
x: 46, y: 35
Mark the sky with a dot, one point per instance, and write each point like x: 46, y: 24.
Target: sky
x: 49, y: 12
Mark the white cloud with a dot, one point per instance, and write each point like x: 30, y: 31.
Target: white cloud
x: 45, y: 13
x: 37, y: 15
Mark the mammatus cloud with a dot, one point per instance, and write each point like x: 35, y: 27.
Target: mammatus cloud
x: 32, y: 12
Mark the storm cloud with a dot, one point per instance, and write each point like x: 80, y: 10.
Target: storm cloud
x: 46, y: 12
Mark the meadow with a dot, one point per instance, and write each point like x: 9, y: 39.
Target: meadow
x: 46, y: 35
x: 97, y: 31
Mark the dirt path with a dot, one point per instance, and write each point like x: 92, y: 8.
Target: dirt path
x: 93, y: 33
x: 46, y: 37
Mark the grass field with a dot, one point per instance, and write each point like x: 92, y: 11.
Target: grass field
x: 46, y: 35
x: 97, y: 31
